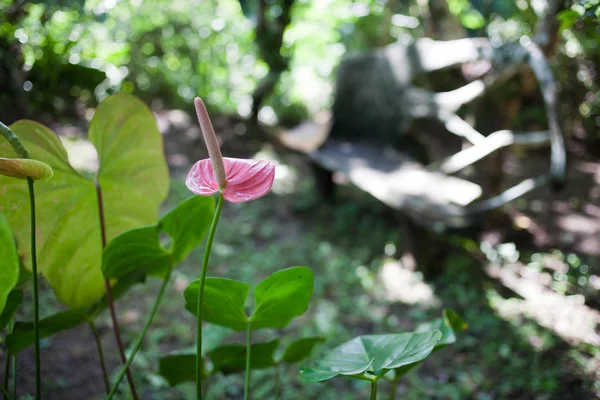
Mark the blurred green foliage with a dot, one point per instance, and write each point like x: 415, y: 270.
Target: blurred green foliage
x: 168, y: 51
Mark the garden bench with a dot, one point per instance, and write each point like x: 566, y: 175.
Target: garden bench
x: 430, y: 194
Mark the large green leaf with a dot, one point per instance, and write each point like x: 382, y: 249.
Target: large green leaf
x: 134, y: 180
x: 140, y: 248
x: 278, y: 299
x: 373, y: 354
x: 231, y: 359
x: 223, y: 302
x: 9, y: 271
x: 300, y: 349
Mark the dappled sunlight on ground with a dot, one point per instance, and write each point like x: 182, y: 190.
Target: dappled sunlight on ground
x: 406, y: 286
x: 567, y: 316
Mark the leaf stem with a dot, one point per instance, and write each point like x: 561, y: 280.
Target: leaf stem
x: 209, y: 242
x: 109, y: 296
x: 394, y: 384
x: 6, y: 395
x: 100, y: 355
x: 7, y: 374
x: 278, y: 381
x: 248, y: 347
x: 14, y: 141
x: 140, y: 340
x: 373, y: 390
x: 7, y: 368
x: 36, y: 302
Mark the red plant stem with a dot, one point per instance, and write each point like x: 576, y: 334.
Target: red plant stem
x: 109, y: 297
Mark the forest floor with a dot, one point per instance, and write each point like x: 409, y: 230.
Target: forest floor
x: 530, y: 291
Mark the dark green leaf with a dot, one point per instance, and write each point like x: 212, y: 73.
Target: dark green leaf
x: 179, y: 367
x: 187, y: 225
x: 375, y: 354
x: 223, y: 302
x: 300, y: 349
x: 13, y: 302
x: 449, y: 325
x: 230, y: 359
x: 135, y: 249
x: 23, y: 335
x: 281, y: 297
x: 9, y: 271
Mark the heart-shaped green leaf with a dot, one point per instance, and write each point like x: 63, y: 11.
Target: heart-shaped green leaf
x: 231, y: 359
x: 134, y: 180
x: 13, y: 302
x: 374, y: 354
x: 9, y: 271
x: 187, y: 224
x: 300, y: 349
x: 450, y: 324
x: 132, y: 250
x: 140, y: 248
x: 279, y: 298
x: 223, y: 302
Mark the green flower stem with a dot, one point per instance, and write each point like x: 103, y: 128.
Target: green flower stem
x: 109, y: 296
x: 248, y: 347
x: 36, y: 303
x: 100, y: 355
x: 14, y: 141
x: 140, y: 340
x: 209, y: 242
x: 22, y: 152
x: 373, y: 389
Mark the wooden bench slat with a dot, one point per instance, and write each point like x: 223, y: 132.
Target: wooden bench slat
x: 395, y: 178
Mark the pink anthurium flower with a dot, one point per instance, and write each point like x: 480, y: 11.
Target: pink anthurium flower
x: 238, y: 180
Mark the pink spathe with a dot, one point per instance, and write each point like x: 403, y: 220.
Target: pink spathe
x: 239, y: 180
x: 246, y: 179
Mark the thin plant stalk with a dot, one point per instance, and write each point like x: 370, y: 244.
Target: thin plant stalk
x: 140, y: 340
x: 373, y: 390
x: 8, y: 369
x: 7, y: 375
x: 248, y: 351
x: 392, y: 395
x: 5, y: 391
x: 278, y: 381
x: 209, y: 242
x: 14, y: 377
x: 109, y: 297
x: 100, y: 355
x: 36, y: 303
